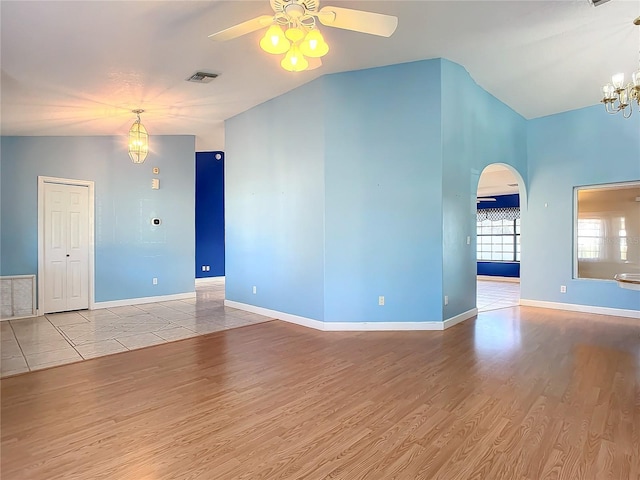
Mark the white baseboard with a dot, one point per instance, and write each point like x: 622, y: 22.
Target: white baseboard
x: 208, y: 279
x: 450, y: 322
x: 616, y: 312
x: 141, y: 300
x: 287, y: 317
x: 352, y: 326
x: 491, y: 278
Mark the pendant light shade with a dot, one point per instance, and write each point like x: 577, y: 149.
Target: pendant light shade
x: 138, y: 140
x: 294, y: 61
x: 274, y: 41
x: 314, y: 45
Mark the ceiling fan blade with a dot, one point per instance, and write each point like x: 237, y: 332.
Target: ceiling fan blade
x: 242, y: 28
x: 314, y: 62
x: 358, y: 20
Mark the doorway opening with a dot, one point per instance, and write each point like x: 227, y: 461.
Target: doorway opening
x: 498, y: 234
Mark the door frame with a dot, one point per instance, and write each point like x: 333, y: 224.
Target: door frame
x: 90, y: 231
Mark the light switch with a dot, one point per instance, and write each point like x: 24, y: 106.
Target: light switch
x: 155, y: 183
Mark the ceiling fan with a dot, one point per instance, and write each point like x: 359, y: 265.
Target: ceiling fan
x: 301, y: 37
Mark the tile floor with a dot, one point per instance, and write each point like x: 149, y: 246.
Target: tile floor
x: 36, y: 343
x: 55, y: 339
x: 494, y: 295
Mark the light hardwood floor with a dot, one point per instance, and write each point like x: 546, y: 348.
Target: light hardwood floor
x: 516, y: 394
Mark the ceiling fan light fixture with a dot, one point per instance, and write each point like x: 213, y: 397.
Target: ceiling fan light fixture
x: 274, y: 41
x: 138, y: 140
x: 314, y: 45
x: 294, y: 34
x: 294, y: 61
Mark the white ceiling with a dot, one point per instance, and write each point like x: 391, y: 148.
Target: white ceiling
x: 80, y: 67
x: 497, y: 179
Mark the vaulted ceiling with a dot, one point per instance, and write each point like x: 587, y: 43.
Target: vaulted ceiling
x: 80, y: 67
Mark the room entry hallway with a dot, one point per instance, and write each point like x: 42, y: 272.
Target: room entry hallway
x: 516, y: 394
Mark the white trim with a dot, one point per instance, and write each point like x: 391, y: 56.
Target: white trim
x: 353, y: 326
x: 90, y: 227
x: 206, y: 280
x: 142, y: 300
x: 491, y: 278
x: 616, y: 312
x: 287, y: 317
x: 450, y: 322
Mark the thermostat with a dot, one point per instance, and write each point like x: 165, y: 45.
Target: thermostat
x: 156, y: 221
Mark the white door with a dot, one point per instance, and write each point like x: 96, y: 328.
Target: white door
x: 66, y: 247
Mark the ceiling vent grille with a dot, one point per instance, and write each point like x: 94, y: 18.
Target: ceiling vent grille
x: 202, y: 77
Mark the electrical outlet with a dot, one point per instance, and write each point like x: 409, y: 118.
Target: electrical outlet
x: 207, y: 268
x: 446, y: 299
x: 563, y: 289
x: 255, y: 289
x: 155, y: 281
x: 381, y: 300
x: 204, y: 268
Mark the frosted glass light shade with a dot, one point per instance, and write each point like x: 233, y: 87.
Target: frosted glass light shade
x: 314, y: 45
x: 294, y: 61
x: 138, y: 142
x: 294, y: 34
x: 274, y: 41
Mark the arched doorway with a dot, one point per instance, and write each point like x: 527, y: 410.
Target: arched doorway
x: 498, y: 237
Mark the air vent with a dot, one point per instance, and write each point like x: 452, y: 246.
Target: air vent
x: 202, y: 77
x: 512, y: 184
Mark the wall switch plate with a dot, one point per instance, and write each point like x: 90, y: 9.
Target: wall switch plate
x: 155, y: 183
x: 563, y: 289
x: 381, y: 300
x: 468, y: 240
x: 446, y: 299
x: 155, y: 281
x: 255, y: 289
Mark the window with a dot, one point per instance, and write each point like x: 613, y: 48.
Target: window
x: 498, y: 232
x: 607, y: 230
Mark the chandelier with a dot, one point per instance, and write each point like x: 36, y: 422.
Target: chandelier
x: 618, y: 96
x: 138, y: 140
x: 294, y: 33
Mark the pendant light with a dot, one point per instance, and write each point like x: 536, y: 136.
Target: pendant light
x: 138, y: 140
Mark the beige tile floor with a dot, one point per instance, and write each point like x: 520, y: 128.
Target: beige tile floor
x: 494, y: 295
x: 56, y: 339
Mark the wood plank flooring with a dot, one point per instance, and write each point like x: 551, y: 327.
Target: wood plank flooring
x: 517, y: 394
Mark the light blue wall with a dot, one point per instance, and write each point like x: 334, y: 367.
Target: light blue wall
x: 274, y: 204
x: 576, y: 148
x: 477, y: 130
x: 129, y: 252
x: 383, y: 194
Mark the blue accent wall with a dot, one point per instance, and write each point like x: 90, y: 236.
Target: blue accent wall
x: 129, y: 251
x: 209, y: 214
x: 477, y: 130
x: 576, y: 148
